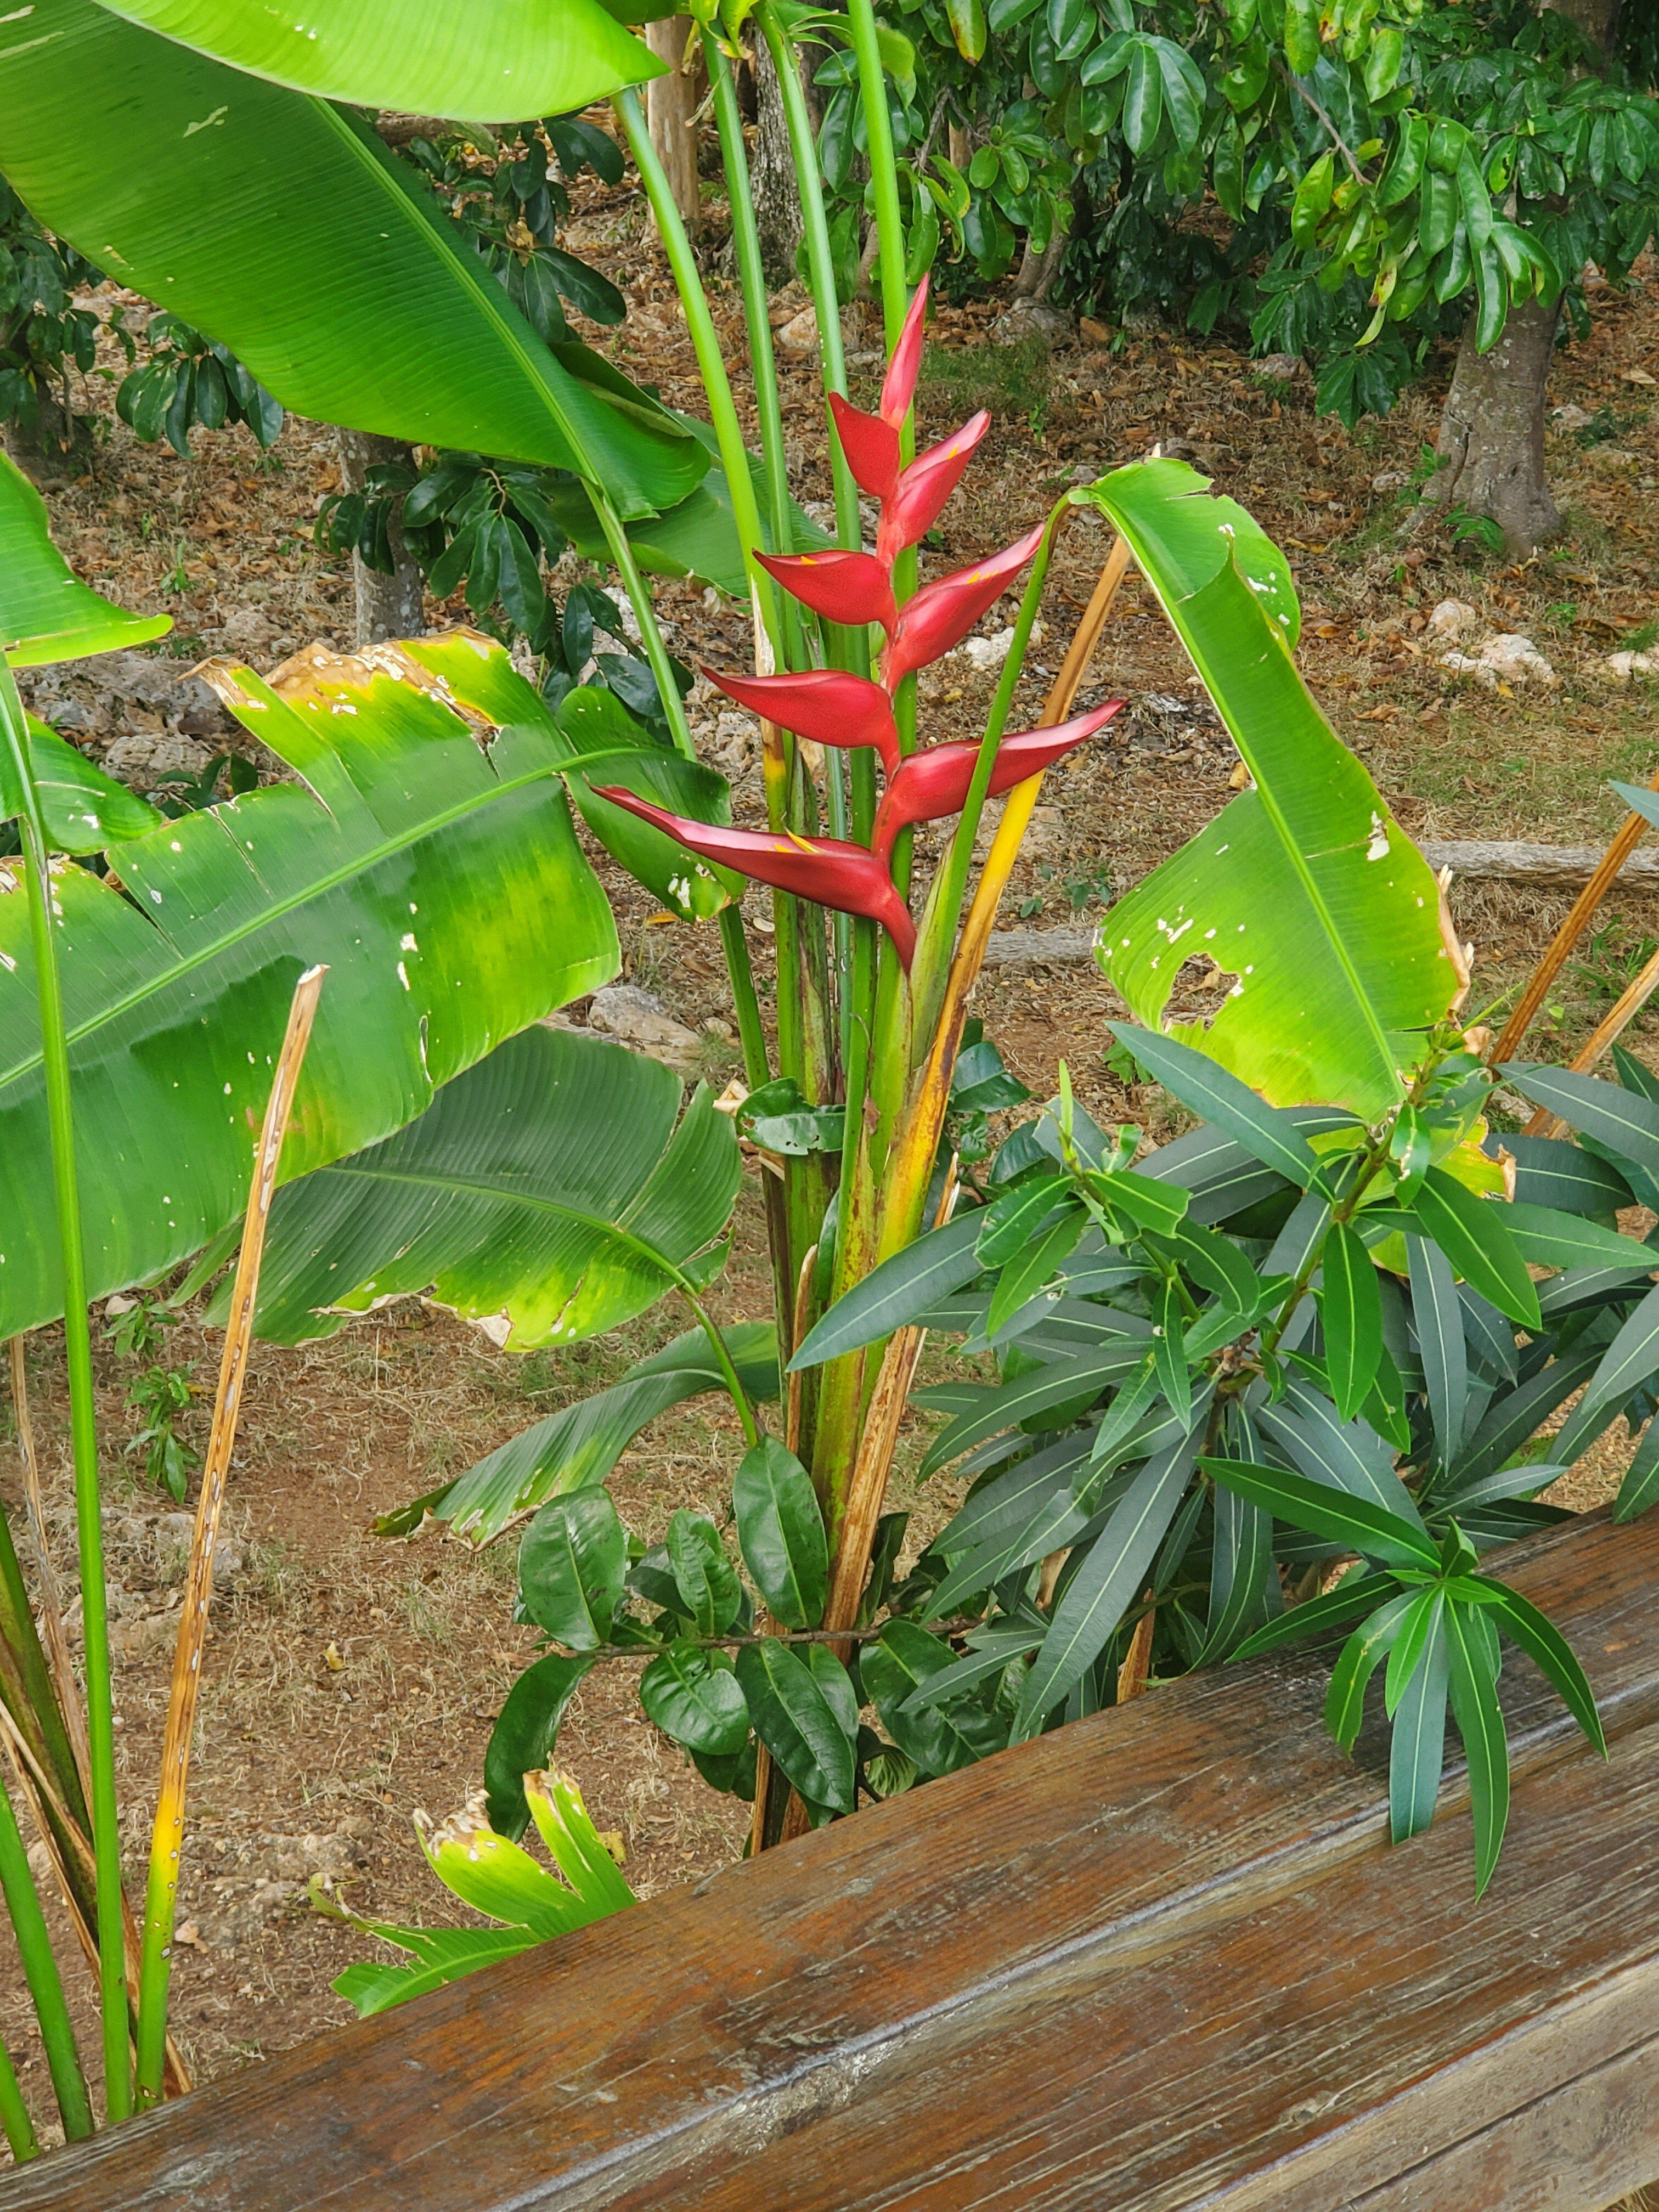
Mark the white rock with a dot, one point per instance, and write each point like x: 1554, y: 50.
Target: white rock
x: 1390, y: 480
x: 1621, y: 667
x: 1281, y: 366
x: 800, y: 335
x: 1569, y: 417
x: 987, y: 655
x: 1506, y: 657
x: 639, y: 1019
x: 1452, y: 618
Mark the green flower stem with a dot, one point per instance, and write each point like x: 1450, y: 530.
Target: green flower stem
x: 15, y: 2121
x: 711, y: 362
x: 77, y: 1343
x: 820, y: 259
x: 937, y: 936
x: 762, y: 366
x: 733, y: 940
x: 46, y: 1985
x: 651, y: 636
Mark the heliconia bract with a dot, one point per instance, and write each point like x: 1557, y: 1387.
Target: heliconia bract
x: 941, y: 614
x: 842, y: 586
x: 899, y: 385
x: 933, y: 784
x: 872, y: 447
x: 828, y: 705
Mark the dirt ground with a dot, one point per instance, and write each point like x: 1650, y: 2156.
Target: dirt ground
x: 349, y: 1679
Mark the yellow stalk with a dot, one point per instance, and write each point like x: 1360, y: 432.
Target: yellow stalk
x: 167, y: 1836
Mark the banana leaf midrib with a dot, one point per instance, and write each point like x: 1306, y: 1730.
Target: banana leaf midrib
x: 1220, y: 694
x: 483, y: 1186
x: 368, y: 157
x: 358, y: 864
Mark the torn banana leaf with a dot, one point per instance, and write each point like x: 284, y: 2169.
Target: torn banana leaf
x: 46, y: 613
x: 84, y: 810
x: 441, y: 882
x: 556, y: 1185
x: 1321, y: 914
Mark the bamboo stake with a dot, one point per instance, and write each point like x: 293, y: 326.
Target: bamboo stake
x: 167, y: 1835
x: 53, y: 1636
x: 1578, y: 921
x: 1618, y: 1018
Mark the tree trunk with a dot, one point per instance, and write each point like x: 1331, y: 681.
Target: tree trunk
x: 671, y: 105
x: 777, y: 194
x: 1037, y: 271
x: 1491, y: 431
x: 387, y: 606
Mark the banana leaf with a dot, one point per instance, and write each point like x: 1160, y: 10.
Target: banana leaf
x: 84, y: 810
x: 490, y: 58
x: 556, y: 1185
x: 46, y: 613
x: 440, y: 881
x: 1305, y: 889
x: 281, y: 226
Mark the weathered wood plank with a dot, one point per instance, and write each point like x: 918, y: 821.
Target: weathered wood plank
x: 1163, y: 1959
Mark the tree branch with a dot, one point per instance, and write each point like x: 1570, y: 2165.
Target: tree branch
x: 1336, y: 137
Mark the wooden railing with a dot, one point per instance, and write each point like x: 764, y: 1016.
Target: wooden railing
x: 1162, y: 1959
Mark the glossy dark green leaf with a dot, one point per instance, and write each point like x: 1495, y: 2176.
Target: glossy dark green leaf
x: 1107, y: 1583
x: 1349, y: 1454
x: 1334, y: 1513
x: 1479, y: 1719
x: 797, y: 1721
x: 938, y: 1737
x: 1626, y: 1121
x: 710, y: 1593
x: 1351, y: 1313
x: 1512, y: 1418
x: 1552, y: 1239
x: 1629, y: 1363
x: 1028, y: 1271
x: 525, y: 1731
x: 693, y: 1696
x: 1418, y: 1625
x: 1241, y: 1564
x: 572, y: 1559
x: 895, y: 1292
x: 1008, y: 1224
x: 1553, y: 1171
x: 1418, y: 1752
x: 781, y: 1534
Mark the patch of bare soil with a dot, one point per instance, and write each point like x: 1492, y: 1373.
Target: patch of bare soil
x: 349, y: 1679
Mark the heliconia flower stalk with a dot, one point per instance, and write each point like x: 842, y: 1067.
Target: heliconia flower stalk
x: 933, y: 784
x: 872, y: 447
x: 827, y: 705
x: 826, y: 870
x: 899, y: 385
x: 919, y: 496
x: 842, y: 586
x: 941, y: 614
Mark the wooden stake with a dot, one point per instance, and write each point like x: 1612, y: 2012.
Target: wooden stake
x: 1578, y: 921
x: 1631, y: 1001
x: 167, y: 1836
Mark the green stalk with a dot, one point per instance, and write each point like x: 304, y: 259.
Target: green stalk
x: 723, y: 1360
x: 705, y: 341
x: 763, y: 363
x: 937, y: 936
x: 820, y: 261
x: 734, y: 942
x: 77, y: 1343
x: 15, y: 2121
x: 46, y: 1985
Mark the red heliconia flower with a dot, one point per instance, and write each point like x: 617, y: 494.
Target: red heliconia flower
x: 941, y: 614
x: 872, y: 447
x: 842, y: 586
x: 931, y: 784
x: 828, y: 705
x: 826, y: 870
x: 899, y: 387
x: 922, y: 490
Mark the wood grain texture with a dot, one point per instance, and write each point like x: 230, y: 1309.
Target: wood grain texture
x: 1162, y: 1959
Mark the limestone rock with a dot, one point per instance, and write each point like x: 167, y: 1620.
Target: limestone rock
x: 639, y: 1019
